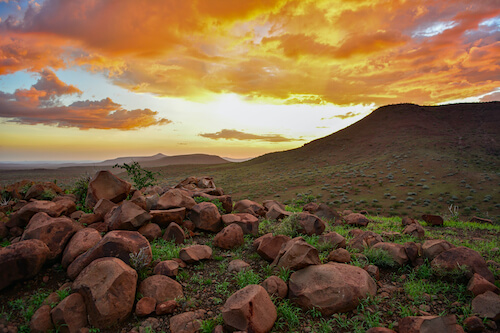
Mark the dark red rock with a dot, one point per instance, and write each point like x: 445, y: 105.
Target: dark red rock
x: 356, y: 219
x: 41, y: 322
x: 433, y: 220
x: 275, y: 286
x: 70, y: 315
x: 206, y: 216
x: 168, y: 267
x: 127, y: 216
x: 269, y: 246
x: 333, y: 238
x: 479, y: 285
x: 487, y: 305
x: 229, y: 237
x: 151, y: 231
x: 145, y: 306
x: 195, y: 253
x: 161, y: 288
x: 310, y: 224
x: 250, y: 207
x: 296, y: 254
x: 166, y: 307
x: 81, y: 241
x: 175, y: 198
x: 164, y: 217
x: 105, y: 185
x: 175, y: 233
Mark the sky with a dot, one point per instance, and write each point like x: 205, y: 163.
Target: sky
x: 99, y: 79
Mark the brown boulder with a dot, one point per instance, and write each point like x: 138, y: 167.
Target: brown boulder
x: 237, y: 265
x: 356, y: 219
x: 474, y: 324
x: 340, y: 255
x: 151, y: 231
x: 296, y: 254
x: 164, y: 217
x: 461, y: 260
x: 103, y: 207
x: 415, y: 230
x: 229, y: 237
x: 395, y: 251
x: 479, y: 285
x: 105, y: 185
x: 413, y: 252
x: 187, y: 322
x: 22, y: 260
x: 429, y: 324
x: 195, y: 253
x: 275, y: 212
x: 53, y: 231
x: 206, y: 216
x: 81, y: 241
x: 145, y: 306
x: 70, y: 315
x: 175, y: 198
x: 166, y: 307
x: 119, y: 244
x: 250, y: 309
x: 380, y: 330
x: 127, y: 216
x: 365, y: 239
x: 197, y: 184
x: 323, y: 211
x: 268, y: 204
x: 167, y: 267
x: 250, y: 207
x: 330, y: 288
x: 53, y: 209
x: 161, y: 288
x: 248, y: 223
x: 269, y: 246
x: 225, y: 200
x: 174, y: 232
x: 433, y: 220
x: 487, y: 305
x: 41, y: 321
x: 334, y: 239
x: 108, y: 288
x: 432, y: 248
x: 275, y: 286
x: 310, y: 224
x: 480, y: 220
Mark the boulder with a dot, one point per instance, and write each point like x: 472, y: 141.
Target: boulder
x: 206, y: 216
x: 161, y: 288
x: 167, y: 267
x: 250, y: 309
x: 248, y: 223
x: 81, y: 241
x: 395, y: 251
x: 108, y: 288
x: 340, y: 255
x: 407, y: 221
x: 105, y: 185
x: 380, y: 330
x: 296, y: 254
x: 166, y: 307
x: 479, y: 285
x: 127, y: 216
x: 70, y: 315
x: 323, y: 211
x: 229, y: 237
x: 480, y: 220
x: 41, y: 321
x: 356, y: 219
x: 487, y: 305
x: 415, y: 230
x: 432, y: 248
x: 275, y: 286
x: 474, y: 324
x: 275, y: 212
x: 174, y: 232
x: 237, y: 265
x: 195, y: 253
x: 53, y: 209
x: 119, y: 244
x: 145, y: 306
x: 22, y: 260
x: 225, y: 200
x: 53, y: 231
x: 175, y: 198
x: 413, y: 252
x: 461, y: 260
x: 103, y: 207
x: 187, y: 322
x: 151, y: 231
x: 429, y: 324
x: 336, y: 240
x: 42, y: 191
x: 365, y: 239
x: 88, y: 219
x: 164, y: 217
x: 197, y: 184
x: 250, y: 207
x: 268, y: 204
x: 269, y: 246
x: 433, y: 220
x: 331, y: 288
x: 310, y: 224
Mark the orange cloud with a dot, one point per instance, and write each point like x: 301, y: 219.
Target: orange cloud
x: 346, y: 52
x: 228, y: 134
x: 41, y: 105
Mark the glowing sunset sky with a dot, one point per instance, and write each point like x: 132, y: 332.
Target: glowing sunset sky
x: 97, y: 79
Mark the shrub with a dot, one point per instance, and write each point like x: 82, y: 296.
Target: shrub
x: 216, y: 202
x: 80, y: 189
x: 141, y: 177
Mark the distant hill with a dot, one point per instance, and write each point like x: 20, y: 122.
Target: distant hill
x: 157, y: 160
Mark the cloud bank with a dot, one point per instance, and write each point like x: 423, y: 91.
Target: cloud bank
x: 228, y: 134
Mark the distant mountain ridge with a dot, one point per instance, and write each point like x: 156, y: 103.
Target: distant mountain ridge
x: 157, y: 160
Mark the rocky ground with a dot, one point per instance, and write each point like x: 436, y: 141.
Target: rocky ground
x: 189, y: 259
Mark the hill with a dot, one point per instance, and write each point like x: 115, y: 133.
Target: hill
x: 401, y: 159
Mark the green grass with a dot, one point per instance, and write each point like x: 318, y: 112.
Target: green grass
x: 379, y: 257
x: 289, y: 315
x: 27, y: 306
x: 246, y: 277
x: 164, y: 250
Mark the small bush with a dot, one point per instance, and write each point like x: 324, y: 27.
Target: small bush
x: 216, y: 202
x: 141, y: 177
x: 379, y: 257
